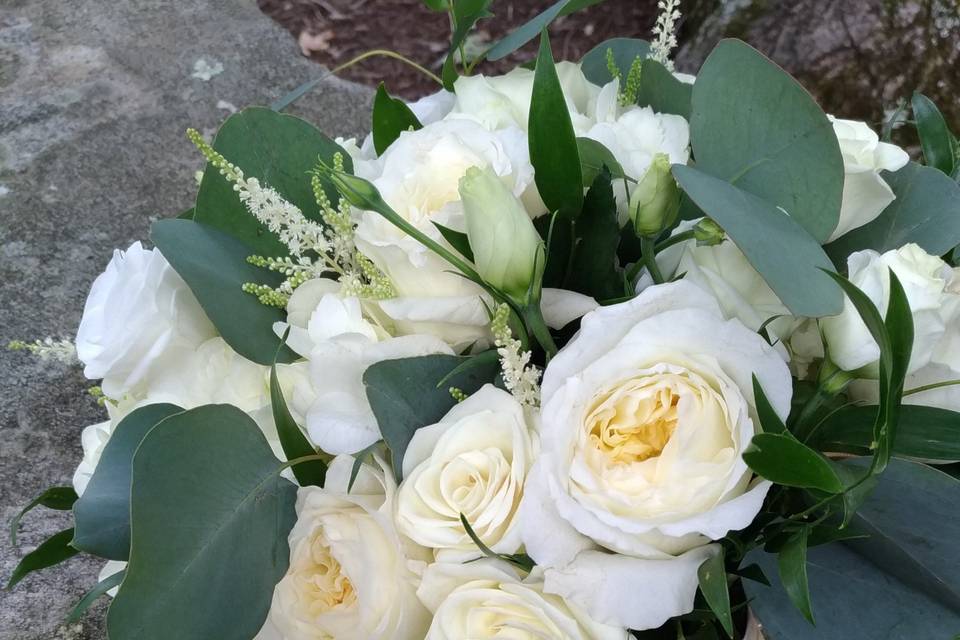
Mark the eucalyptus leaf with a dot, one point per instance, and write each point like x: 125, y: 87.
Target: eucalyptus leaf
x: 755, y: 126
x: 102, y: 514
x: 404, y: 396
x: 926, y: 212
x: 57, y: 498
x: 553, y: 144
x: 528, y: 30
x: 662, y: 91
x: 391, y: 117
x: 785, y: 460
x: 214, y: 266
x: 210, y: 519
x: 936, y: 138
x: 51, y: 552
x: 277, y: 149
x: 292, y: 440
x: 594, y: 157
x: 625, y: 51
x: 785, y: 255
x: 928, y: 433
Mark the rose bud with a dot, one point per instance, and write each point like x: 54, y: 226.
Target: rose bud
x: 655, y: 202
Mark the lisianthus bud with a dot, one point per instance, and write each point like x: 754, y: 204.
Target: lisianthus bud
x: 504, y: 242
x: 655, y: 202
x: 707, y: 233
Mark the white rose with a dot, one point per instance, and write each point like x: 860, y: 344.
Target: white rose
x: 926, y: 280
x: 723, y: 271
x: 418, y: 176
x: 646, y: 413
x: 474, y: 461
x: 865, y: 193
x: 139, y: 314
x: 634, y: 135
x: 350, y: 574
x: 499, y: 102
x: 340, y: 340
x: 487, y: 600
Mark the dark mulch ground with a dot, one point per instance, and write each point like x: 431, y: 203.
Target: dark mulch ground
x: 334, y: 31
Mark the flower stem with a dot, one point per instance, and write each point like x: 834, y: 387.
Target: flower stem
x: 649, y: 259
x: 675, y: 239
x: 928, y: 387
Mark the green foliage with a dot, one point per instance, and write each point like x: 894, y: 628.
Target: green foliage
x: 465, y: 14
x: 769, y: 420
x: 52, y: 551
x: 553, y: 145
x: 792, y: 562
x: 712, y: 576
x: 594, y: 157
x: 102, y: 514
x: 593, y: 263
x: 753, y: 125
x: 99, y: 590
x: 210, y: 516
x: 57, y: 498
x: 391, y: 117
x: 294, y: 442
x: 409, y: 393
x: 927, y: 433
x: 926, y: 211
x: 530, y: 29
x: 787, y: 257
x: 787, y: 461
x: 214, y: 266
x: 938, y: 142
x: 277, y: 149
x: 661, y: 91
x: 456, y: 239
x: 623, y: 50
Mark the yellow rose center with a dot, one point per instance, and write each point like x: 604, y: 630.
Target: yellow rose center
x: 326, y: 584
x: 633, y: 421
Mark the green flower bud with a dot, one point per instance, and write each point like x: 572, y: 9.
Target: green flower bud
x: 357, y: 191
x: 707, y: 233
x: 655, y: 202
x: 504, y: 242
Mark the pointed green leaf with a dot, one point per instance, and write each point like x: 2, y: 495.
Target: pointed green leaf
x: 755, y: 126
x: 792, y: 561
x: 102, y: 514
x: 593, y: 267
x: 770, y: 422
x: 98, y: 591
x: 457, y: 239
x: 292, y: 440
x: 712, y: 576
x: 553, y: 144
x: 928, y: 433
x: 58, y: 498
x: 466, y: 13
x: 391, y: 117
x: 52, y: 551
x: 935, y: 136
x: 214, y: 266
x: 277, y: 149
x: 787, y: 257
x: 785, y: 460
x: 210, y: 519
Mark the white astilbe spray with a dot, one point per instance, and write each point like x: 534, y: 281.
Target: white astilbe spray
x: 48, y: 349
x: 521, y: 378
x: 665, y: 32
x: 315, y: 250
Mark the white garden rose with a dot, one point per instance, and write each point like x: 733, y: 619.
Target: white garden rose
x: 341, y: 338
x: 928, y: 283
x: 865, y: 193
x: 486, y: 599
x: 474, y: 461
x: 646, y: 413
x: 140, y: 316
x: 351, y: 575
x: 723, y: 271
x: 500, y: 102
x: 418, y: 176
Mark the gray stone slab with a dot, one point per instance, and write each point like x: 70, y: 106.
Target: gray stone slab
x: 94, y: 100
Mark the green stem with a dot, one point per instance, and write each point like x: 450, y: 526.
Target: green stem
x: 649, y: 259
x: 675, y: 239
x: 533, y: 317
x: 928, y: 387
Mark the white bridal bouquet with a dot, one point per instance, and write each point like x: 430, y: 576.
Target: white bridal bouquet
x: 589, y: 350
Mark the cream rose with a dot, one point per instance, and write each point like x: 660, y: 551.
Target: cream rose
x: 418, y: 176
x: 865, y: 193
x: 486, y: 599
x: 350, y: 574
x: 928, y: 283
x: 646, y: 413
x: 340, y: 339
x: 474, y: 461
x: 140, y: 316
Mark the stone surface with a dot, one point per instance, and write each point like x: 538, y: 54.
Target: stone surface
x: 857, y: 57
x: 94, y: 101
